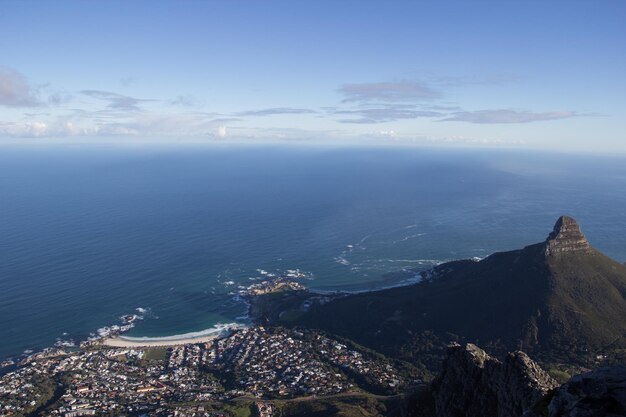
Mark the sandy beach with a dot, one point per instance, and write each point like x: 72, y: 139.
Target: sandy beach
x: 121, y: 341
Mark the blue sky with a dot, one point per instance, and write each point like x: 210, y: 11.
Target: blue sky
x: 533, y: 74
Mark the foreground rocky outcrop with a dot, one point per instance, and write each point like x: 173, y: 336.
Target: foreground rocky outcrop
x: 473, y: 384
x: 597, y: 393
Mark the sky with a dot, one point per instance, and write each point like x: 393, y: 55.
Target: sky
x: 529, y: 74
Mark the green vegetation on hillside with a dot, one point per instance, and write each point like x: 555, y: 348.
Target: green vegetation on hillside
x: 566, y: 306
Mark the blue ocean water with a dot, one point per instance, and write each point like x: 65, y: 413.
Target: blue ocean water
x: 88, y: 234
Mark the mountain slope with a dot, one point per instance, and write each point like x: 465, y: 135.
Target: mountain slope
x: 560, y: 297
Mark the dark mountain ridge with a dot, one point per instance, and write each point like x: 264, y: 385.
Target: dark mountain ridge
x: 558, y: 298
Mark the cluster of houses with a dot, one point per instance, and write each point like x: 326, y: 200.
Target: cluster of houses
x: 378, y: 372
x: 107, y: 381
x: 262, y: 362
x: 195, y: 411
x: 276, y: 363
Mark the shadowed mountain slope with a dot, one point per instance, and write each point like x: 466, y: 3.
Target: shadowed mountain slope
x: 558, y: 297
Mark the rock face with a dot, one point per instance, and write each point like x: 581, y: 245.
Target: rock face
x: 473, y: 384
x: 598, y: 393
x: 566, y: 237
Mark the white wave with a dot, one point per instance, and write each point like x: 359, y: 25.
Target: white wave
x: 404, y: 239
x: 103, y: 331
x: 297, y: 273
x: 417, y: 261
x: 217, y: 330
x: 65, y: 343
x: 405, y: 282
x: 108, y: 330
x: 342, y: 260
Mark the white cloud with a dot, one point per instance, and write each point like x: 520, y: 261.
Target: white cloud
x: 27, y: 129
x: 161, y: 124
x: 37, y: 129
x: 184, y: 101
x: 57, y: 98
x: 221, y: 131
x: 384, y: 114
x: 15, y: 90
x: 276, y: 111
x: 401, y: 91
x: 116, y: 101
x: 506, y: 116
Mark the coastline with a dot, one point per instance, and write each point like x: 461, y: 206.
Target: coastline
x: 121, y: 341
x: 204, y: 336
x: 113, y: 336
x: 220, y: 331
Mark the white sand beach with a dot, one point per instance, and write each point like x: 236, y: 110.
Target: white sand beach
x: 204, y: 336
x: 121, y: 341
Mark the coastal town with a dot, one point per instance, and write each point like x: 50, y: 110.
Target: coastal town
x: 196, y: 379
x: 207, y: 374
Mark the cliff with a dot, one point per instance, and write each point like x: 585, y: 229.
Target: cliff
x: 473, y: 384
x: 566, y: 237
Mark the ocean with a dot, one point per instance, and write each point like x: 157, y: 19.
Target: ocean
x: 91, y: 233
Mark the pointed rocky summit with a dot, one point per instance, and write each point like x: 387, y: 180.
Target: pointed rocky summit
x: 566, y: 237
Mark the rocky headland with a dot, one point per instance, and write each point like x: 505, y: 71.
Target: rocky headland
x: 560, y: 300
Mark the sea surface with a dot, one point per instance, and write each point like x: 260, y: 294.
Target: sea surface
x: 91, y: 233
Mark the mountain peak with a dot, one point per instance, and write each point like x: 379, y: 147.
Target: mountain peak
x: 566, y: 237
x: 560, y: 298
